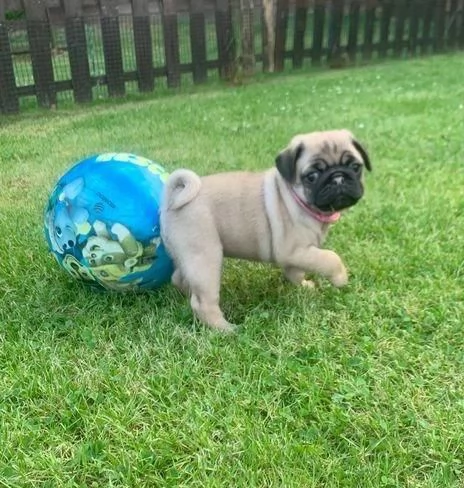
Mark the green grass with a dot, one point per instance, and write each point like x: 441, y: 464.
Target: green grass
x: 361, y: 387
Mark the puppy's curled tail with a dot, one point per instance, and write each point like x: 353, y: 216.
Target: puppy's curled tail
x: 181, y: 188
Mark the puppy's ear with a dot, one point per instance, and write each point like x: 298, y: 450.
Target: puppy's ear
x: 286, y: 162
x: 364, y: 155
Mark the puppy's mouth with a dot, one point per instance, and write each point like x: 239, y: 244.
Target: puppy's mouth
x: 338, y: 203
x: 334, y: 200
x: 336, y: 191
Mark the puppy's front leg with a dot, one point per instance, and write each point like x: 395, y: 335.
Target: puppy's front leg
x: 297, y: 276
x: 322, y: 261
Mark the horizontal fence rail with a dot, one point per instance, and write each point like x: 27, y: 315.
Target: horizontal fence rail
x: 108, y: 54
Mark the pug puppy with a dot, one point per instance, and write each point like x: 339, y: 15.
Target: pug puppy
x: 279, y: 216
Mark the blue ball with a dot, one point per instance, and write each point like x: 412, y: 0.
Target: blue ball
x: 102, y: 222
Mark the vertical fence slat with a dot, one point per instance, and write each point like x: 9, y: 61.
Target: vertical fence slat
x: 280, y: 34
x: 171, y: 43
x: 318, y: 33
x: 266, y: 46
x: 352, y: 46
x: 77, y: 51
x: 143, y: 45
x: 439, y: 26
x: 112, y: 49
x: 9, y: 102
x: 369, y: 31
x: 335, y: 32
x: 225, y: 39
x: 452, y: 19
x: 248, y: 36
x: 198, y: 41
x: 301, y: 15
x: 40, y: 40
x: 429, y: 9
x: 400, y: 14
x: 385, y: 21
x: 415, y: 14
x: 461, y: 27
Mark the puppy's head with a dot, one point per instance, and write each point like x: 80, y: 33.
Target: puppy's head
x: 325, y: 169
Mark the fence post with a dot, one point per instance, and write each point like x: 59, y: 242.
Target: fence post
x: 415, y: 13
x: 281, y: 23
x: 198, y: 41
x: 225, y: 40
x: 301, y: 15
x: 112, y: 50
x: 385, y: 20
x: 318, y: 32
x: 439, y: 27
x: 426, y: 41
x: 268, y: 34
x: 461, y: 27
x: 38, y: 30
x: 334, y: 55
x: 369, y: 30
x: 452, y: 19
x: 171, y: 43
x: 400, y: 14
x: 9, y: 102
x: 352, y: 47
x: 77, y: 51
x: 248, y: 36
x: 143, y: 45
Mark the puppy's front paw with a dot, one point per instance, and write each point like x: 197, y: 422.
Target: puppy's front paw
x: 308, y: 284
x: 224, y: 327
x: 340, y: 278
x: 297, y: 276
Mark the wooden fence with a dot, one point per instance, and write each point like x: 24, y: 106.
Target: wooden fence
x: 110, y: 54
x: 56, y: 11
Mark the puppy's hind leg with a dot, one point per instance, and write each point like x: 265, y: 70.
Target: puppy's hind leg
x: 204, y: 280
x: 179, y: 282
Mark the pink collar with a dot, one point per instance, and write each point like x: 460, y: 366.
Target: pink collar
x: 319, y: 216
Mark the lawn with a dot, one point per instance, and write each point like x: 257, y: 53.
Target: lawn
x: 360, y: 387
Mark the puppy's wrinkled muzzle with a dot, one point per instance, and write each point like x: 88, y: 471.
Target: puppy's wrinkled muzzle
x: 337, y: 190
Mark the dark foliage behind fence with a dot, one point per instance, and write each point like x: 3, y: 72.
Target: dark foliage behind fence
x: 110, y: 54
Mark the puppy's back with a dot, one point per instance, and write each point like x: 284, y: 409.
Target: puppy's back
x: 236, y: 202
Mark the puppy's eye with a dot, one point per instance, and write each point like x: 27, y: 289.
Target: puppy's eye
x: 311, y: 177
x: 355, y: 166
